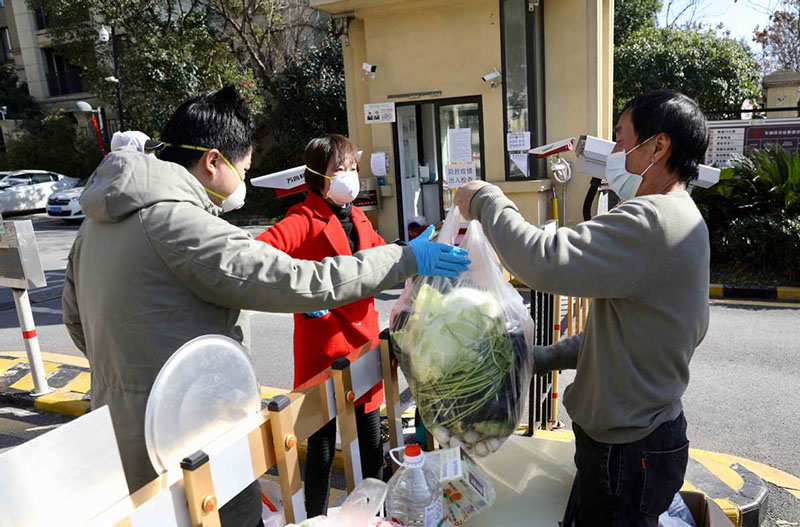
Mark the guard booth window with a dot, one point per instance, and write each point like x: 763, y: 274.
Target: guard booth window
x: 523, y: 86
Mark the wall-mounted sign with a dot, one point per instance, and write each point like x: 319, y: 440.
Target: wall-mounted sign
x: 459, y: 175
x: 518, y: 141
x: 379, y: 113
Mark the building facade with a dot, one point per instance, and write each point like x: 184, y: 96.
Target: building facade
x: 461, y: 75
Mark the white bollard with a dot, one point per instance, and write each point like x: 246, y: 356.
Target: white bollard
x: 28, y: 326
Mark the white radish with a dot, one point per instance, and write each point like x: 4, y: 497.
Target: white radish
x: 493, y: 444
x: 455, y: 442
x: 471, y: 437
x: 481, y: 450
x: 441, y: 434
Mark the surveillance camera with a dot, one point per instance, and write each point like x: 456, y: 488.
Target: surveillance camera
x: 493, y: 76
x: 4, y: 109
x: 369, y: 68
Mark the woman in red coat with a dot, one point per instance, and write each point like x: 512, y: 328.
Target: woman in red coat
x: 327, y: 224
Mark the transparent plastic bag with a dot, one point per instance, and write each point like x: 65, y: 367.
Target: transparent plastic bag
x: 360, y: 509
x: 463, y: 346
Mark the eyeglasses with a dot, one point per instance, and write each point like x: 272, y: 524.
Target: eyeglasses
x: 204, y: 149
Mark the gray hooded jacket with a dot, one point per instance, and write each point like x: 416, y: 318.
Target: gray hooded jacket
x: 153, y: 267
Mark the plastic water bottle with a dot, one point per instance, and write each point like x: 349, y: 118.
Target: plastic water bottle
x: 414, y: 498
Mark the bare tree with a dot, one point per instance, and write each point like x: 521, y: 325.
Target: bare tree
x: 682, y: 13
x: 268, y: 32
x: 780, y: 40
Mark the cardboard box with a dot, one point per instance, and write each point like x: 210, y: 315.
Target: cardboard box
x: 706, y: 513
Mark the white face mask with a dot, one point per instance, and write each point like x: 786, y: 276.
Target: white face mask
x: 344, y: 187
x: 623, y: 183
x: 236, y: 199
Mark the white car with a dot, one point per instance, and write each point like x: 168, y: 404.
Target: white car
x: 65, y: 204
x: 24, y: 190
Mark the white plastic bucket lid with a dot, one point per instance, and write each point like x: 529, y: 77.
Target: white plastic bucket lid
x: 203, y: 390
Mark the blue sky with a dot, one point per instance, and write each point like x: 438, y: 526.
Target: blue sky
x: 741, y: 17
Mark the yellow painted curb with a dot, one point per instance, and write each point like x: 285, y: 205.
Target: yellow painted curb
x: 786, y: 481
x: 789, y: 293
x: 715, y: 291
x: 719, y: 467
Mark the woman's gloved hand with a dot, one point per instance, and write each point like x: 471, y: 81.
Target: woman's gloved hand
x: 437, y: 259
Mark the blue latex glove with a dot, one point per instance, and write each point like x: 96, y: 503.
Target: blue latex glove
x: 437, y: 259
x: 317, y: 314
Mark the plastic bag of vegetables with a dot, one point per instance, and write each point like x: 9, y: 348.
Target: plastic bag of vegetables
x: 463, y: 346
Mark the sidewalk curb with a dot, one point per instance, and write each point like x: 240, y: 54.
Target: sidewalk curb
x: 769, y: 293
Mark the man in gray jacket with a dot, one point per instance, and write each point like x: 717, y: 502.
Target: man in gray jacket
x: 153, y: 266
x: 645, y: 264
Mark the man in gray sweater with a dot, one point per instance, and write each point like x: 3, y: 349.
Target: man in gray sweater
x: 645, y: 264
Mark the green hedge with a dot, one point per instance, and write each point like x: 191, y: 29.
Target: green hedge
x: 760, y: 244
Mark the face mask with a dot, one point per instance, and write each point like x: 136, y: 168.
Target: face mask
x: 236, y: 199
x: 344, y: 188
x: 623, y: 183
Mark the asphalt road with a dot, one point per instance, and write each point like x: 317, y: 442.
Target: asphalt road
x: 743, y: 398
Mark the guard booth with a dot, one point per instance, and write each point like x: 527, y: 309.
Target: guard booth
x: 439, y: 89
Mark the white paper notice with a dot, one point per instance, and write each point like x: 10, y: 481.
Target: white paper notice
x: 378, y: 163
x: 459, y: 175
x: 521, y: 160
x: 460, y: 141
x: 379, y: 113
x: 518, y: 141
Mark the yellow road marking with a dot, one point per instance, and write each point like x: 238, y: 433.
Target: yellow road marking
x: 719, y: 467
x: 7, y: 364
x: 715, y: 290
x: 82, y: 383
x: 71, y: 360
x: 25, y: 384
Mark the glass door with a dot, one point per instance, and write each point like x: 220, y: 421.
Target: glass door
x: 460, y: 127
x: 410, y: 190
x: 422, y: 136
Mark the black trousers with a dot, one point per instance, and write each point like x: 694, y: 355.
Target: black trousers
x: 244, y: 510
x: 627, y: 485
x: 321, y: 449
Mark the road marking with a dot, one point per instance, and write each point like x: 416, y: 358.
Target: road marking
x: 25, y: 384
x: 16, y: 412
x: 48, y: 310
x: 45, y: 427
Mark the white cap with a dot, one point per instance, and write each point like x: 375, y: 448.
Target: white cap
x: 140, y: 140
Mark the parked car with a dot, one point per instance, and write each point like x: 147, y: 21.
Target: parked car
x: 65, y: 205
x: 28, y: 190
